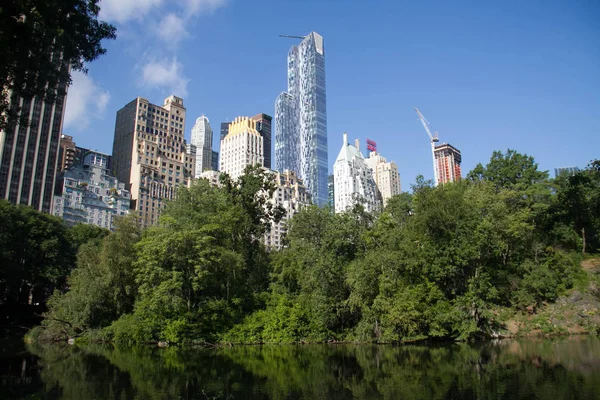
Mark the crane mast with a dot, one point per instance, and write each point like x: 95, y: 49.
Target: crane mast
x: 433, y: 139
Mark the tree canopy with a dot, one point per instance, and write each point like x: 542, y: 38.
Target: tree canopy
x: 42, y: 41
x: 442, y: 262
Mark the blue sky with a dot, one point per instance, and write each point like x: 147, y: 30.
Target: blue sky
x: 487, y: 74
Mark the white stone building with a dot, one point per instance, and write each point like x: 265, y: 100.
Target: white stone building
x: 353, y: 180
x: 292, y: 196
x: 88, y: 194
x: 242, y: 146
x: 385, y: 175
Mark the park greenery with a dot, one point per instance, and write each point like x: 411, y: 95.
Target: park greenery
x: 446, y: 262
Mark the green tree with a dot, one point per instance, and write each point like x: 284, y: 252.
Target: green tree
x: 101, y: 288
x: 42, y: 41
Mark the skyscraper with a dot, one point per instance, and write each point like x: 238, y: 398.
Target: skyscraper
x: 29, y: 151
x: 263, y: 126
x: 202, y: 138
x: 353, y: 180
x: 149, y: 154
x: 243, y: 146
x: 447, y: 163
x: 301, y: 118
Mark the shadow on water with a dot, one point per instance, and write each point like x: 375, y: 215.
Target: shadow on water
x: 567, y: 368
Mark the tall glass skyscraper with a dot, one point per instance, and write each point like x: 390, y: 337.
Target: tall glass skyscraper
x: 301, y: 118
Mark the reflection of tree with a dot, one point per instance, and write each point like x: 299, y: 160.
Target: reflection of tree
x: 541, y: 369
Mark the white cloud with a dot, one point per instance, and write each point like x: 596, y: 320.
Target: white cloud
x: 85, y: 101
x: 166, y: 75
x: 124, y: 10
x: 172, y: 29
x: 195, y: 7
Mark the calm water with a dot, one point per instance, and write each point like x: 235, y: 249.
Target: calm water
x: 567, y: 368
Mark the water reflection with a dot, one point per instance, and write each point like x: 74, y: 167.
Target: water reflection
x: 567, y: 368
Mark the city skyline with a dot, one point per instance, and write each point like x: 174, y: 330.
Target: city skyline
x: 519, y: 88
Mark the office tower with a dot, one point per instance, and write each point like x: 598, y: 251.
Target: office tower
x: 202, y: 138
x: 149, y: 154
x: 301, y: 118
x: 67, y: 153
x: 87, y: 193
x: 29, y: 150
x: 263, y: 126
x: 447, y: 163
x: 215, y: 161
x: 224, y: 129
x: 331, y: 191
x: 243, y: 146
x: 385, y: 175
x: 353, y: 180
x: 565, y: 171
x: 292, y: 196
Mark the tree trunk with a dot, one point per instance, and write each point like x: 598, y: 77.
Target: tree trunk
x: 583, y: 238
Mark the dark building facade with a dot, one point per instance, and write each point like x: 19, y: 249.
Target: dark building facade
x: 67, y: 153
x: 263, y: 126
x: 331, y: 191
x: 215, y: 161
x: 29, y: 149
x: 224, y: 129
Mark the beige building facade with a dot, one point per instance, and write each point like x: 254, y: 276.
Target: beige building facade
x: 150, y: 154
x: 242, y: 146
x: 385, y: 175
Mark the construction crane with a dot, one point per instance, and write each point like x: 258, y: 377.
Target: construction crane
x: 433, y: 139
x: 293, y: 37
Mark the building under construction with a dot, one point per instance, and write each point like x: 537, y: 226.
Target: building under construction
x: 446, y: 158
x: 447, y: 163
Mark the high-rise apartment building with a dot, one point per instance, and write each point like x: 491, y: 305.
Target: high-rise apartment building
x: 353, y: 180
x: 447, y: 163
x: 301, y: 118
x: 263, y: 126
x: 149, y: 154
x: 292, y: 196
x: 202, y: 135
x: 242, y: 146
x: 385, y: 175
x: 29, y: 150
x: 87, y: 193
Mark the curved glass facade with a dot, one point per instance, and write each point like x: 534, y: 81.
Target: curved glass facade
x: 301, y: 118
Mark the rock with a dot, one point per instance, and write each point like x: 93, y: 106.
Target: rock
x: 71, y: 341
x: 575, y: 297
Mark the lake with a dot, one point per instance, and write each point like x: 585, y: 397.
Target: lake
x: 563, y: 368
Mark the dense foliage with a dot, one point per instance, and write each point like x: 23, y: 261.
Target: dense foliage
x: 442, y: 262
x: 37, y: 252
